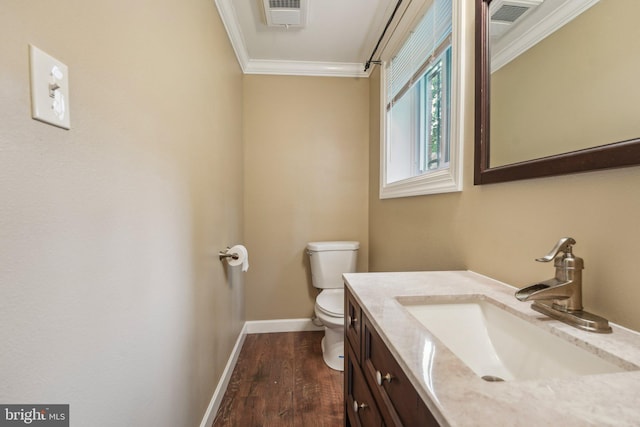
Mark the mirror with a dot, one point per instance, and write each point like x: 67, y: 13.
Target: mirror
x: 542, y: 122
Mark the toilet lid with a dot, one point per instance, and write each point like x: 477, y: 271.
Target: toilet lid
x: 331, y: 301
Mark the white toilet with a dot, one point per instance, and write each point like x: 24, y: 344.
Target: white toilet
x: 328, y: 261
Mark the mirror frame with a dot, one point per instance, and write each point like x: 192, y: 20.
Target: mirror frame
x: 611, y: 155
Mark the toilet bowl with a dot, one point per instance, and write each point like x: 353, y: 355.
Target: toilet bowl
x: 329, y: 309
x: 329, y: 260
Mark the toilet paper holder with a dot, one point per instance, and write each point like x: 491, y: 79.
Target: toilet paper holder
x: 225, y: 254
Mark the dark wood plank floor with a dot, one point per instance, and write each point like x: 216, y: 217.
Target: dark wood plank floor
x: 280, y: 379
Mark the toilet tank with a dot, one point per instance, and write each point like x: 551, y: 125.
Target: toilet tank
x: 329, y: 260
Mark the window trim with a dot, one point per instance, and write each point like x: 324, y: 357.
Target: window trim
x: 443, y: 180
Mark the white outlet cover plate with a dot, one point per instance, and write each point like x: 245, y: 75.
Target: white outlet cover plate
x: 49, y: 89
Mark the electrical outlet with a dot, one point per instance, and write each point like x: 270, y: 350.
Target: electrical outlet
x: 49, y: 89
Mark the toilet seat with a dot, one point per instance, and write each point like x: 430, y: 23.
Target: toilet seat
x: 331, y: 302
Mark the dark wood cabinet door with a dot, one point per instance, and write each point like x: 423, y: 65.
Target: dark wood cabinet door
x: 352, y: 326
x: 360, y: 406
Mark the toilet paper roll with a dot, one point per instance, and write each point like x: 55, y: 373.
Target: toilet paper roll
x: 243, y: 257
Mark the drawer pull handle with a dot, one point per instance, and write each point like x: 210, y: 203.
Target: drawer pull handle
x: 388, y: 377
x: 357, y: 407
x: 352, y: 320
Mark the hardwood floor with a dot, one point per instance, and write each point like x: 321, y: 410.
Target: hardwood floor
x: 280, y: 379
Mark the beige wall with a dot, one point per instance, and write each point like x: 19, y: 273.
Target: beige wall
x: 581, y: 82
x: 306, y: 144
x: 499, y: 229
x: 112, y: 298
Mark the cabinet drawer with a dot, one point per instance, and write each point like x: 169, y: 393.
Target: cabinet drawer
x: 352, y: 319
x: 360, y: 406
x: 399, y: 402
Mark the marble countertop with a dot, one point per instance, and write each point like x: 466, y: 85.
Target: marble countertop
x: 458, y: 397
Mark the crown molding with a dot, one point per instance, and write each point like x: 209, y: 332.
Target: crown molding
x: 230, y: 22
x: 279, y: 67
x: 305, y: 68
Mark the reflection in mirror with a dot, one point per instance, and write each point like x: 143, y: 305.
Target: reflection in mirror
x: 564, y: 102
x: 571, y: 90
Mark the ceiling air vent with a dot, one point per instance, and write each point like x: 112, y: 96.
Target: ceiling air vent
x: 505, y: 13
x: 509, y: 13
x: 285, y: 13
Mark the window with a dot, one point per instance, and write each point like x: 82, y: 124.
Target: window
x: 422, y: 111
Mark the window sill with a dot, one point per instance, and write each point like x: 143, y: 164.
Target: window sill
x: 442, y: 181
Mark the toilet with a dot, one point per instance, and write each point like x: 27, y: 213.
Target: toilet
x: 329, y: 260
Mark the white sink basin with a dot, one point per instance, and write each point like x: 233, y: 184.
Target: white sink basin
x: 499, y: 345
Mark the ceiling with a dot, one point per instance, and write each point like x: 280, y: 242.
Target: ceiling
x: 337, y: 39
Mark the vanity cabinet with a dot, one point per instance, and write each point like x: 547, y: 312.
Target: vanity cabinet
x: 377, y: 392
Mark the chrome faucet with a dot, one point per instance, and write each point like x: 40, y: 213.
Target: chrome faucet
x: 561, y: 296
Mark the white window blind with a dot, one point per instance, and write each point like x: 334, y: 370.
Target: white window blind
x: 423, y: 44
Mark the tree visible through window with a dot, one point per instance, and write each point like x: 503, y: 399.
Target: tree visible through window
x: 433, y: 142
x: 435, y: 131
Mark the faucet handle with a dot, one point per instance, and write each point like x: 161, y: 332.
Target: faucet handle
x: 564, y: 245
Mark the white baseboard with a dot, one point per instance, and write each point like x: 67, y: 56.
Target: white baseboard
x: 250, y: 327
x: 280, y: 325
x: 218, y: 394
